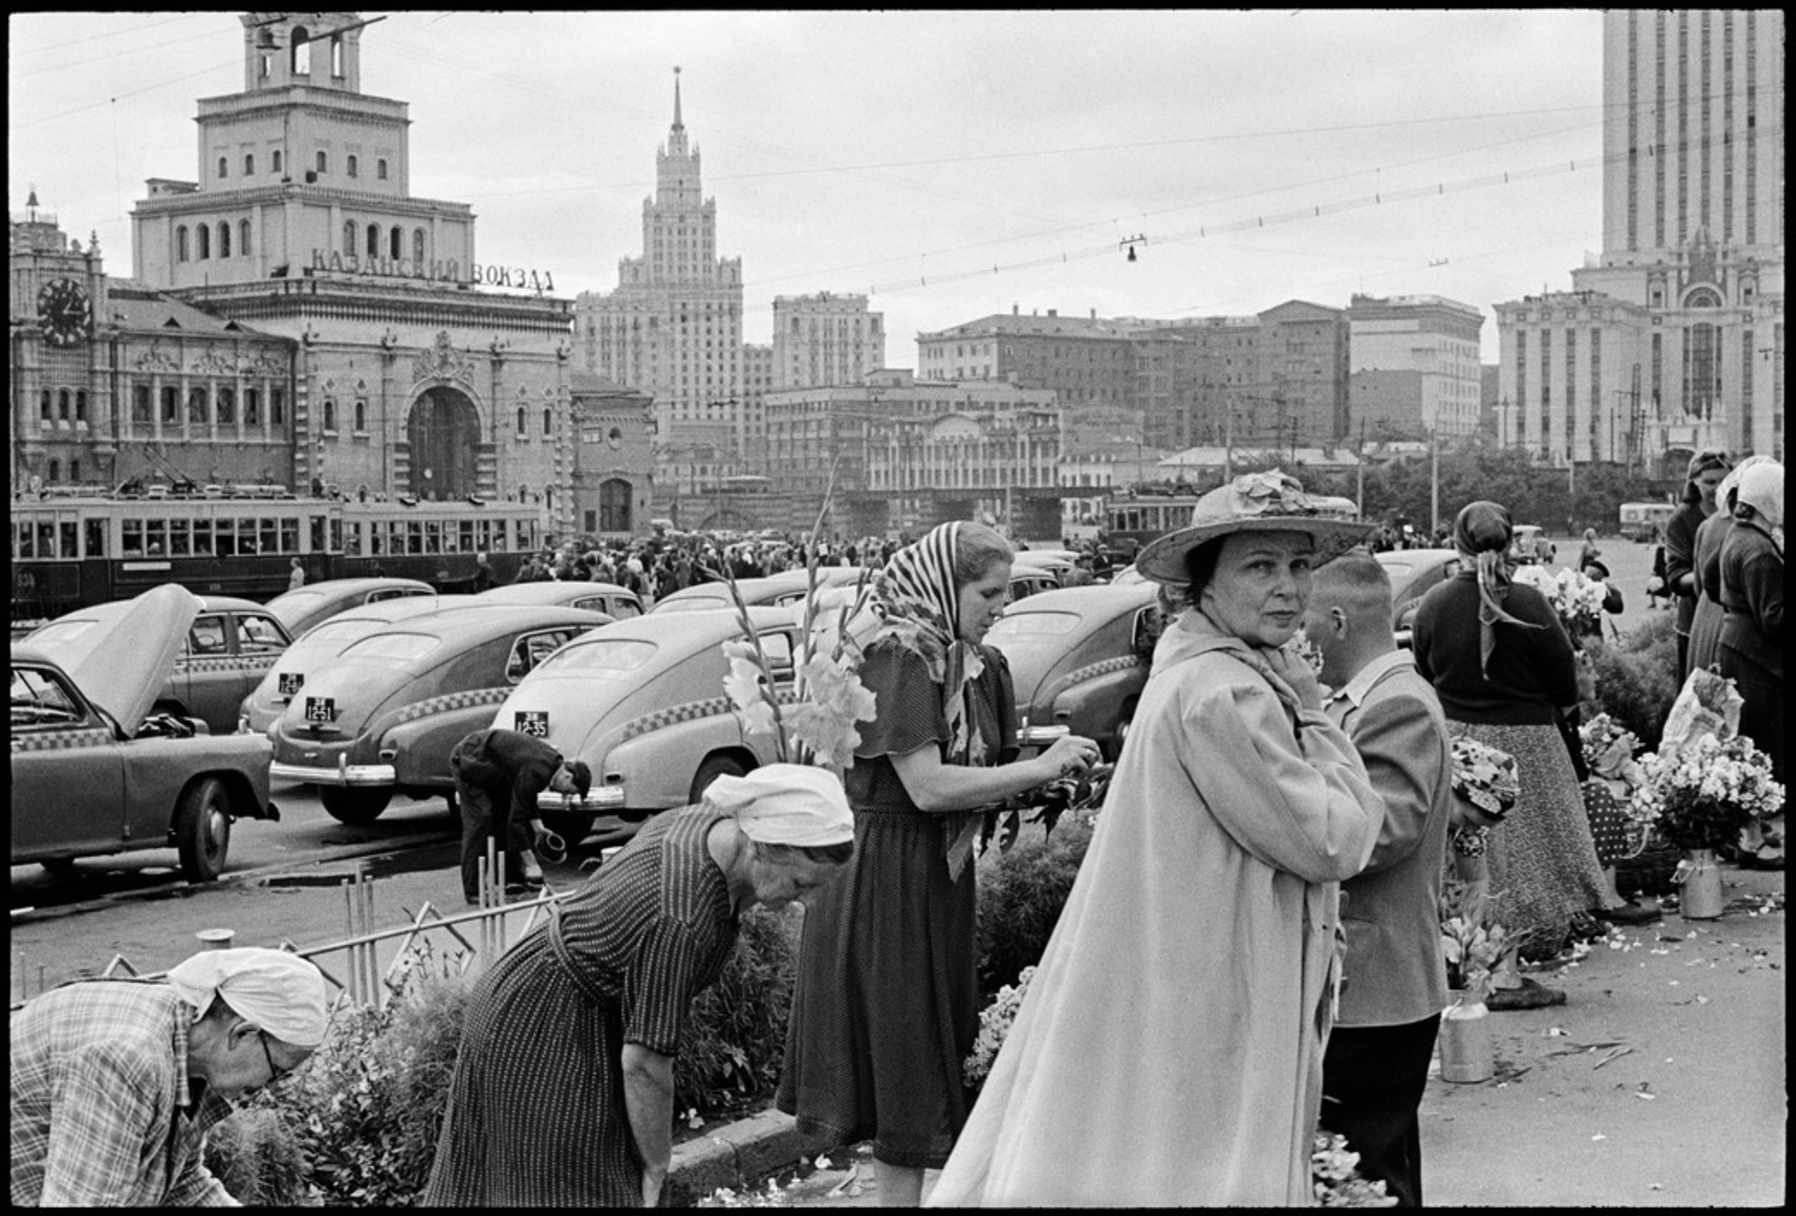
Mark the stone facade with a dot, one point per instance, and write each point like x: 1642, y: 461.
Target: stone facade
x: 825, y: 339
x: 614, y: 460
x: 1413, y: 366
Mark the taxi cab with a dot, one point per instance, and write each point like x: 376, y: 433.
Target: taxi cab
x: 382, y: 715
x: 642, y: 701
x: 1078, y: 658
x: 306, y: 606
x: 786, y: 587
x: 269, y: 700
x: 229, y: 646
x: 608, y: 598
x: 95, y: 770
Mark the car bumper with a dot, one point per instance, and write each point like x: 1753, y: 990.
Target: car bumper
x: 605, y: 798
x: 344, y: 773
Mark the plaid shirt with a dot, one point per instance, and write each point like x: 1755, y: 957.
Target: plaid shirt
x: 100, y: 1101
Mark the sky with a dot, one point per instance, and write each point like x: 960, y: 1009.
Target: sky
x: 949, y: 164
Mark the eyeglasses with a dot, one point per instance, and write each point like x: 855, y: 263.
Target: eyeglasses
x: 275, y: 1073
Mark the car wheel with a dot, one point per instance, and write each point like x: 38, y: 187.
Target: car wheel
x: 349, y: 804
x: 203, y: 830
x: 713, y: 768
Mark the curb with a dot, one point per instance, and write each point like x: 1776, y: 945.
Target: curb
x: 737, y: 1155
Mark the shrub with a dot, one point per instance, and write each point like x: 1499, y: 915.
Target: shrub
x: 1020, y: 899
x: 1636, y: 678
x: 735, y: 1041
x: 255, y: 1154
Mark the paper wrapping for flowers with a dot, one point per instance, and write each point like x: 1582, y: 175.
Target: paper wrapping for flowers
x: 1708, y: 704
x: 1485, y: 777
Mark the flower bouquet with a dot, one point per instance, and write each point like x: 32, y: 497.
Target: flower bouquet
x: 1334, y: 1172
x: 994, y: 1024
x: 1699, y: 799
x: 1486, y: 784
x: 1578, y: 600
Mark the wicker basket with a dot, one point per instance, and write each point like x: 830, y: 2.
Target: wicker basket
x: 1650, y: 872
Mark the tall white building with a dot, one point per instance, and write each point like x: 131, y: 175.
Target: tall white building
x: 673, y: 326
x: 825, y: 339
x: 1673, y: 338
x: 1412, y: 366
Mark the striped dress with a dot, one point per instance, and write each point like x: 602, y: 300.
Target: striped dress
x: 536, y: 1111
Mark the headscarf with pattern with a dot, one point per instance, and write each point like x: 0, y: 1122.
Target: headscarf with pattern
x: 917, y: 597
x: 1482, y: 533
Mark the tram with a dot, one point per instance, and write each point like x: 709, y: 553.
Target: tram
x: 1130, y: 523
x: 71, y: 552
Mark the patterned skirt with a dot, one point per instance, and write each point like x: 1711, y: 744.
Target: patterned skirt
x: 1542, y: 858
x: 1608, y: 822
x: 536, y: 1112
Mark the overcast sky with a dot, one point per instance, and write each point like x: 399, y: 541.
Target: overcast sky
x: 908, y: 154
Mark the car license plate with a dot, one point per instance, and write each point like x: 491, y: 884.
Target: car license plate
x: 534, y: 722
x: 321, y: 709
x: 289, y: 682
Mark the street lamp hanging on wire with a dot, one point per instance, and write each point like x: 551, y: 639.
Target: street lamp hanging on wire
x: 1129, y: 242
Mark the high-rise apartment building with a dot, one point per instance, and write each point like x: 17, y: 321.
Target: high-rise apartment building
x: 1412, y: 367
x: 673, y: 326
x: 1692, y: 258
x: 825, y: 339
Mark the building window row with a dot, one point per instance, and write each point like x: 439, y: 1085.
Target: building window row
x: 394, y: 245
x: 198, y: 243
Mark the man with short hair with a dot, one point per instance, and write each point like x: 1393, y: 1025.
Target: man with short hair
x: 498, y: 775
x: 1395, y: 982
x: 116, y: 1082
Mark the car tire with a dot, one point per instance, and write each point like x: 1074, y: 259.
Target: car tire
x: 203, y: 830
x: 353, y: 804
x: 721, y: 765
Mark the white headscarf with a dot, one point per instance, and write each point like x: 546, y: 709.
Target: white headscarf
x: 280, y: 992
x: 1762, y: 489
x: 786, y: 804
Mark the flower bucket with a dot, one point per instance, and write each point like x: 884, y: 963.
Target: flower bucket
x: 1700, y: 877
x: 1467, y: 1054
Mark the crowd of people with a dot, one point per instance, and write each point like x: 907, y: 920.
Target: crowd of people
x: 1251, y: 946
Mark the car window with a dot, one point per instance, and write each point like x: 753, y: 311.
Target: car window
x: 613, y: 656
x: 392, y: 647
x: 1018, y: 626
x: 40, y: 699
x: 593, y: 603
x: 777, y: 646
x: 391, y: 593
x: 533, y: 648
x: 206, y: 637
x: 259, y: 635
x: 622, y: 608
x: 1150, y: 623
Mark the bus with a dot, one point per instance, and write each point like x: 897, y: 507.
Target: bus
x: 73, y: 552
x: 1642, y: 521
x: 1132, y: 522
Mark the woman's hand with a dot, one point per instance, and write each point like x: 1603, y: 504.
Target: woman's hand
x: 1069, y: 754
x: 1296, y: 672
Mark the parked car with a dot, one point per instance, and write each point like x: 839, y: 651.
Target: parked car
x: 382, y: 716
x: 230, y: 644
x: 1526, y: 543
x: 1079, y: 657
x: 786, y: 587
x: 643, y: 703
x: 1037, y: 559
x: 608, y: 598
x: 1025, y: 582
x: 306, y: 606
x: 323, y: 642
x: 95, y: 771
x: 1413, y: 572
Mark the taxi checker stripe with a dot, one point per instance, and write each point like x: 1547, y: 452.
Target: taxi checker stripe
x: 226, y: 663
x: 57, y: 740
x: 449, y: 701
x: 1093, y: 670
x: 688, y: 712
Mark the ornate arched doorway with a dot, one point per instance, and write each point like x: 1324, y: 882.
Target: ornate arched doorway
x: 442, y: 433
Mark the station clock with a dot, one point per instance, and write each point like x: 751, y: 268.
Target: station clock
x: 64, y: 312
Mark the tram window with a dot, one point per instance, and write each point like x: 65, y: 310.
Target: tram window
x: 433, y: 536
x: 227, y: 537
x: 202, y: 537
x: 96, y: 539
x: 500, y: 540
x: 179, y: 533
x: 271, y: 536
x: 246, y: 537
x: 414, y: 537
x: 289, y: 534
x: 156, y: 533
x: 23, y: 540
x: 317, y: 533
x: 466, y: 531
x: 133, y: 539
x: 70, y: 536
x: 337, y: 535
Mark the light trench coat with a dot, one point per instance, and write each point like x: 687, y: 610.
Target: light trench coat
x: 1169, y: 1049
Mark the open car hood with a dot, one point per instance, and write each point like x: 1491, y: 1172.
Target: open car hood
x: 125, y: 659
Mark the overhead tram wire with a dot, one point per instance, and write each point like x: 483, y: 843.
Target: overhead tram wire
x: 1315, y: 211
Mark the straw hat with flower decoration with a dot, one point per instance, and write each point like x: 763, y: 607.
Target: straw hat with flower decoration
x: 1272, y: 501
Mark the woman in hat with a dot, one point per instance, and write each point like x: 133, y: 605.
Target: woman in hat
x: 1703, y: 478
x: 1591, y: 629
x: 887, y: 1001
x: 1505, y: 668
x: 563, y: 1087
x: 1705, y: 621
x: 1752, y: 593
x: 1169, y: 1048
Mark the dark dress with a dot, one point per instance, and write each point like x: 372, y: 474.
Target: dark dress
x: 1680, y: 559
x: 1705, y: 621
x: 1752, y: 636
x: 886, y: 1004
x: 536, y: 1113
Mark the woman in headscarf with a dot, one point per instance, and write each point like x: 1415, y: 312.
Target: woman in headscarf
x: 563, y: 1087
x: 1705, y: 622
x: 1752, y: 593
x: 887, y: 1001
x: 1169, y: 1049
x: 1702, y: 479
x: 1504, y: 667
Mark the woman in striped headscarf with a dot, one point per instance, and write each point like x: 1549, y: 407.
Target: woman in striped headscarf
x: 887, y: 1002
x: 1503, y: 667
